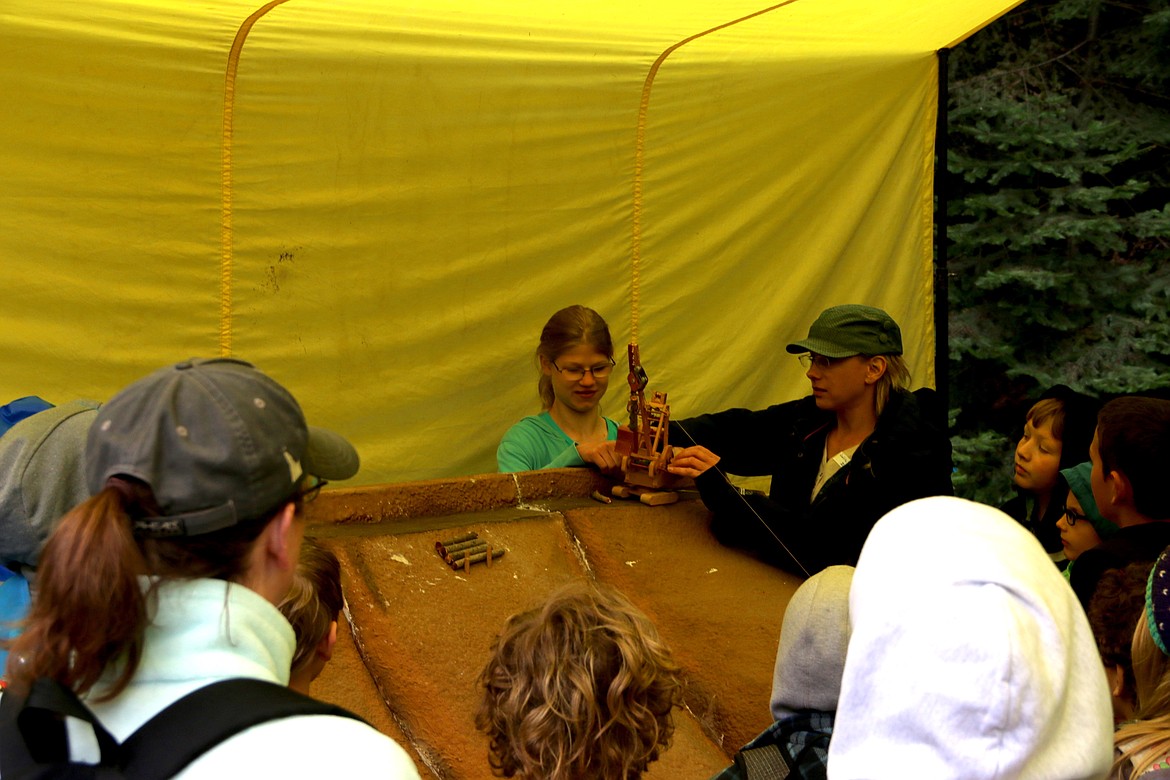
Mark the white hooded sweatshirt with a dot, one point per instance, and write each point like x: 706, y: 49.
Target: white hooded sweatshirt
x: 970, y: 657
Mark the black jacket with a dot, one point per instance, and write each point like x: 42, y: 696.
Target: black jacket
x: 906, y: 457
x: 1043, y: 528
x: 1133, y: 544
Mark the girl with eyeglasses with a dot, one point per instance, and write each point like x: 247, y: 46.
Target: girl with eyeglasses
x: 575, y: 357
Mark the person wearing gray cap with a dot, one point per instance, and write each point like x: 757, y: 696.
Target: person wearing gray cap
x: 839, y: 459
x: 164, y: 582
x: 41, y: 478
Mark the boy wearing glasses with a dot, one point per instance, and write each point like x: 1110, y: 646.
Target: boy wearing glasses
x: 1129, y: 454
x: 1080, y: 524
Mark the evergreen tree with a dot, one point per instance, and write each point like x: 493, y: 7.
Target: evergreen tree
x: 1058, y: 179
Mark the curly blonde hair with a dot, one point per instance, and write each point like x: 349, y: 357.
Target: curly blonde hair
x: 582, y: 687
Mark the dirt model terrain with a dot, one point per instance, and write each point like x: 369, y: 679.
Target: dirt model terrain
x: 419, y: 632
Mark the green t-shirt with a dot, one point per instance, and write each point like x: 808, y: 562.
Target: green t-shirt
x: 537, y: 442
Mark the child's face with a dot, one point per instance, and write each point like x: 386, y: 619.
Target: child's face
x: 1037, y: 463
x: 1080, y: 535
x: 578, y: 395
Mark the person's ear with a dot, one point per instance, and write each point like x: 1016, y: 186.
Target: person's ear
x: 280, y: 536
x: 273, y: 556
x: 875, y: 369
x: 1119, y: 487
x: 327, y: 643
x: 546, y: 367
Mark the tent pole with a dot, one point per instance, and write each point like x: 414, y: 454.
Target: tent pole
x: 941, y: 297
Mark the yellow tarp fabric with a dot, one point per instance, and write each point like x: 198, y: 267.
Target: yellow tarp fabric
x: 381, y: 203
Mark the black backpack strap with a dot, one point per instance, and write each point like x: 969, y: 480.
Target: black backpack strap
x: 33, y: 737
x: 199, y: 721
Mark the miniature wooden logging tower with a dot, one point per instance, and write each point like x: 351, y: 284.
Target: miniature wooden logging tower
x: 645, y: 444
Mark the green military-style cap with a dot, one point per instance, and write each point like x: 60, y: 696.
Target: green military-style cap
x: 851, y: 329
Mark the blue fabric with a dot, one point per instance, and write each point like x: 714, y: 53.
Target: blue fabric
x: 15, y: 411
x: 14, y: 603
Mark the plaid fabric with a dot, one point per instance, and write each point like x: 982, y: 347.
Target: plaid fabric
x: 804, y: 737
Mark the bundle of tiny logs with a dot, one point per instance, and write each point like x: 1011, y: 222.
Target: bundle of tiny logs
x: 461, y: 552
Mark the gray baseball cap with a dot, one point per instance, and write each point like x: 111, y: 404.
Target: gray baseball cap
x: 851, y: 329
x: 217, y: 441
x: 42, y: 476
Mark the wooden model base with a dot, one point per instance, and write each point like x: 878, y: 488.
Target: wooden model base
x: 646, y: 496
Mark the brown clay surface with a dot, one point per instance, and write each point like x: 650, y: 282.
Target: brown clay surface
x: 423, y: 631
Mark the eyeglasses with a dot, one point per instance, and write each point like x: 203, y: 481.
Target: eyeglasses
x: 310, y: 488
x: 576, y: 373
x: 810, y: 359
x: 1073, y: 516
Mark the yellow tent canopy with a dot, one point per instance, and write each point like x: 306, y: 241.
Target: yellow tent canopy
x: 381, y: 203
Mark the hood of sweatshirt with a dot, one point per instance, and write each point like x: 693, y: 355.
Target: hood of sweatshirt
x: 811, y: 655
x: 969, y: 656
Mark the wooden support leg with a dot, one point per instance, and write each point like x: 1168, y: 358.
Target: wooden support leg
x: 659, y: 498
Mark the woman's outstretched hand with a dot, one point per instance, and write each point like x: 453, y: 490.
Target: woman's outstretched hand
x: 692, y: 461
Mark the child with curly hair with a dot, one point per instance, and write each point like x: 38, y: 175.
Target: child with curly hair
x: 312, y: 607
x: 581, y: 687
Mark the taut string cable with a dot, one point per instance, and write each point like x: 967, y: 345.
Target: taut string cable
x: 751, y: 508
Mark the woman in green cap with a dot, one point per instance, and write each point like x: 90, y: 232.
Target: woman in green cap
x: 839, y: 459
